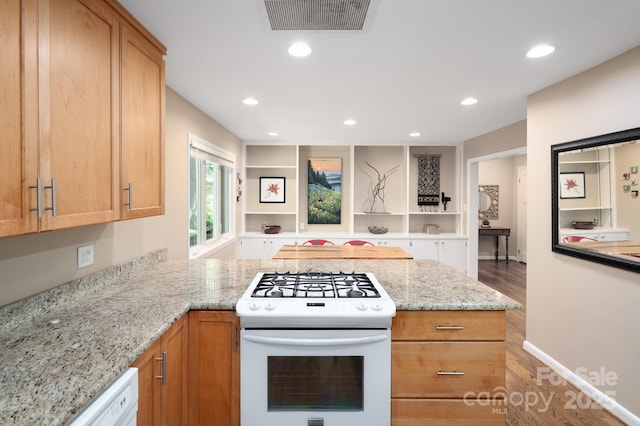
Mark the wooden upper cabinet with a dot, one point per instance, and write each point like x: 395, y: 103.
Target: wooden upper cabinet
x: 18, y: 105
x: 143, y: 110
x: 81, y: 82
x: 79, y: 89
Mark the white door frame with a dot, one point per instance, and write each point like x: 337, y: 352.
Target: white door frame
x: 472, y: 204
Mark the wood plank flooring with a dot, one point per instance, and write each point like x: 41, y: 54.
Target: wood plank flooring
x: 530, y: 401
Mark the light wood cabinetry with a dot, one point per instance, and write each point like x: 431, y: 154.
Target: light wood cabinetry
x: 142, y: 143
x: 18, y: 109
x: 61, y: 114
x: 448, y: 368
x: 214, y: 368
x: 163, y: 378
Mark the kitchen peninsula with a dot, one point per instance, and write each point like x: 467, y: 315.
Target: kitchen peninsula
x: 62, y: 347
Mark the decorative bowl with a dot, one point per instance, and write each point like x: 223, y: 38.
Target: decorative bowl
x: 378, y: 229
x: 271, y: 229
x: 582, y: 225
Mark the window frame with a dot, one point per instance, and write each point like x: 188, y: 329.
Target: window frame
x: 204, y: 150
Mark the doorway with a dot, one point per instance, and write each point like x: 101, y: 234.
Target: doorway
x: 473, y: 203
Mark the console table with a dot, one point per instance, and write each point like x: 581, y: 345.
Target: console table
x: 497, y: 232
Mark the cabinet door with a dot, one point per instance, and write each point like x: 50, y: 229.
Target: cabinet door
x: 78, y: 83
x: 424, y: 249
x: 18, y: 105
x: 454, y: 253
x: 175, y: 343
x: 214, y: 369
x: 142, y: 144
x: 149, y: 386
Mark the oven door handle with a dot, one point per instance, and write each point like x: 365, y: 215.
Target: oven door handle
x: 285, y: 341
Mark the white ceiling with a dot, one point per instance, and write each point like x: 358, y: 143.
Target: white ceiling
x: 408, y: 71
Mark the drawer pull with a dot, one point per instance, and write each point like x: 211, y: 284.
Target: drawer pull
x: 449, y: 327
x: 450, y: 373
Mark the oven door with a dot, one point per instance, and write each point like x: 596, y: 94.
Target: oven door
x: 315, y: 377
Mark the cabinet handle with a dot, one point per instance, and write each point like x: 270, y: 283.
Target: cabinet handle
x: 235, y: 338
x: 450, y: 373
x: 163, y: 374
x: 129, y: 202
x: 449, y: 327
x: 54, y: 205
x: 38, y: 188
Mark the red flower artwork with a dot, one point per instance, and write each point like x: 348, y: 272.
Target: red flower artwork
x: 273, y: 188
x: 570, y: 184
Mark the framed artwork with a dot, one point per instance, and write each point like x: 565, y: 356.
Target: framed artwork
x: 324, y: 195
x: 272, y: 189
x: 572, y: 185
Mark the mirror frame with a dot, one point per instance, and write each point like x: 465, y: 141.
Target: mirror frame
x: 569, y: 250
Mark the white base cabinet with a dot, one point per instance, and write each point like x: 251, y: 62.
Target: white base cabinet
x: 450, y: 249
x: 263, y: 246
x: 600, y: 234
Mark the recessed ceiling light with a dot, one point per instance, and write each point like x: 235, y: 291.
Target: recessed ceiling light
x: 299, y: 49
x: 469, y: 101
x: 250, y: 101
x: 350, y: 122
x: 540, y: 50
x: 414, y: 134
x: 272, y: 133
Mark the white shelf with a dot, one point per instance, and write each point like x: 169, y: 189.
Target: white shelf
x: 585, y: 162
x: 271, y: 167
x: 434, y: 213
x: 378, y: 214
x: 583, y: 208
x: 270, y: 213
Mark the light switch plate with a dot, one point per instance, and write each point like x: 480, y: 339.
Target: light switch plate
x: 85, y: 256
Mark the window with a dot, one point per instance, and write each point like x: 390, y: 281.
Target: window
x: 211, y: 189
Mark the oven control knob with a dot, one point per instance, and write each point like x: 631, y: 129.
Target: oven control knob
x: 361, y: 306
x: 254, y: 306
x: 270, y: 306
x: 377, y: 307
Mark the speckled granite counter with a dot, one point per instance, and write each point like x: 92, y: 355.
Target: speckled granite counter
x: 61, y: 348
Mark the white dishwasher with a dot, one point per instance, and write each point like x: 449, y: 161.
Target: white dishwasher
x: 116, y: 405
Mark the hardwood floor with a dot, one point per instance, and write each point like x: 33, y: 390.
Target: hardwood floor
x: 531, y: 401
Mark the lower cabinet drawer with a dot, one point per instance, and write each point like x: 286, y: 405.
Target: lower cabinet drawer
x: 446, y: 369
x: 419, y: 412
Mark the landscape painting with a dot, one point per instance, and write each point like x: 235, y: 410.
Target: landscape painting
x: 324, y: 191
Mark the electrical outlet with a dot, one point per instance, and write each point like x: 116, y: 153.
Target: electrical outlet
x: 85, y: 256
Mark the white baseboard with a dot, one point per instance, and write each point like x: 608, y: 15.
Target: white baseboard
x: 587, y: 388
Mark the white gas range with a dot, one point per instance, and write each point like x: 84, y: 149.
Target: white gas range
x: 315, y: 350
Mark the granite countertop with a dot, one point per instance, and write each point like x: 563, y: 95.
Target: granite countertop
x: 63, y: 347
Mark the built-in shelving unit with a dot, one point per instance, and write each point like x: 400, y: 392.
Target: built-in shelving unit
x: 597, y: 205
x: 363, y: 166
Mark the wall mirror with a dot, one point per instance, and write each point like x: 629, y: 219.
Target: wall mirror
x: 594, y: 199
x: 488, y: 206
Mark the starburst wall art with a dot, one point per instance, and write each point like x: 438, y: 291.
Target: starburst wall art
x: 572, y: 185
x: 272, y: 190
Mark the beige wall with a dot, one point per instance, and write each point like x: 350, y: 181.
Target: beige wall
x: 504, y: 139
x: 32, y: 263
x: 579, y: 313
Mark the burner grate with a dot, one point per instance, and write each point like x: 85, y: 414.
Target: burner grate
x: 315, y: 285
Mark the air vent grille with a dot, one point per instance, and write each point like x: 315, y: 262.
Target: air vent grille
x: 317, y: 15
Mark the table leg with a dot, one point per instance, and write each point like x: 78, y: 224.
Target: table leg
x: 506, y: 239
x: 497, y: 245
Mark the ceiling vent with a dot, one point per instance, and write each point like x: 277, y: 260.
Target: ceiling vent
x: 316, y: 15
